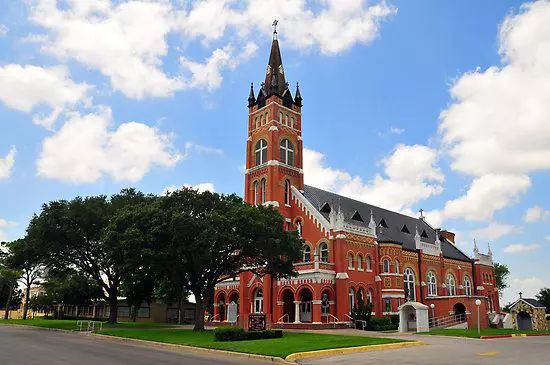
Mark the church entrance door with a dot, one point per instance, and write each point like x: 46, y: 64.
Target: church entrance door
x: 306, y: 298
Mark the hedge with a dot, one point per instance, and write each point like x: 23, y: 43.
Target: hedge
x: 238, y: 334
x: 382, y: 324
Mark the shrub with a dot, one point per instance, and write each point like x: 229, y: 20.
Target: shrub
x: 238, y: 334
x: 382, y: 324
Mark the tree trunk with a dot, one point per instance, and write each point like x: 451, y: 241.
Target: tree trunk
x: 180, y: 307
x: 113, y: 306
x: 134, y: 313
x: 8, y: 302
x: 199, y: 312
x: 26, y: 304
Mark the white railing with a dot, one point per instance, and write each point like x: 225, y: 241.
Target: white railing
x: 91, y: 326
x: 286, y: 315
x: 447, y: 321
x: 335, y: 319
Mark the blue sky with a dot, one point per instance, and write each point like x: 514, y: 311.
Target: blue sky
x: 408, y: 105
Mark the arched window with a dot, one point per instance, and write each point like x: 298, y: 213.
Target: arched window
x: 287, y: 152
x: 262, y: 120
x: 286, y: 119
x: 263, y: 190
x: 467, y: 286
x: 256, y: 192
x: 299, y: 228
x: 259, y: 301
x: 408, y: 280
x: 369, y: 296
x: 351, y: 298
x: 368, y: 263
x: 359, y: 262
x: 432, y: 284
x: 287, y: 192
x: 291, y: 122
x: 386, y: 265
x: 323, y: 249
x: 257, y: 122
x: 350, y: 261
x: 360, y: 295
x: 397, y: 266
x: 280, y: 118
x: 307, y: 254
x: 261, y: 152
x: 451, y: 285
x: 267, y: 118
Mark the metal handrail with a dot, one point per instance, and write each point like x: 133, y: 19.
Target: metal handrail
x: 364, y: 323
x: 286, y: 315
x: 332, y: 316
x: 447, y: 320
x: 214, y: 317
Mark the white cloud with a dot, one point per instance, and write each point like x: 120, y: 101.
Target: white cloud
x: 26, y: 87
x: 535, y: 214
x: 200, y: 149
x: 486, y: 195
x: 494, y: 231
x: 3, y: 225
x: 547, y: 238
x: 396, y: 130
x: 509, y: 102
x: 6, y: 163
x: 522, y: 248
x: 411, y: 175
x: 3, y: 30
x: 87, y: 148
x: 529, y: 286
x: 202, y: 187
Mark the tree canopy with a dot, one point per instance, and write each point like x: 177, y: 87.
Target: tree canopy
x: 544, y: 297
x: 501, y: 275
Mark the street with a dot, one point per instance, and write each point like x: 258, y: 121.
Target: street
x: 29, y: 346
x: 451, y: 351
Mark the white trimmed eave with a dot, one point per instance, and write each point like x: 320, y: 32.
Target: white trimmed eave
x: 320, y: 222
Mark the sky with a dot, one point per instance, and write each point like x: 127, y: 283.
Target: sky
x: 428, y: 104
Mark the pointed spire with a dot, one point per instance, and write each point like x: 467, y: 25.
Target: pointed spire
x: 298, y: 97
x: 275, y: 82
x: 489, y: 251
x: 476, y: 250
x: 251, y: 98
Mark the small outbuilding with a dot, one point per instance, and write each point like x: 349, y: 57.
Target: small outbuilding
x: 413, y: 317
x: 528, y: 314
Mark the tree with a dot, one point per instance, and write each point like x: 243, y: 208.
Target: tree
x: 74, y: 235
x: 207, y: 237
x: 138, y: 289
x: 544, y: 297
x: 501, y: 275
x: 26, y: 257
x: 168, y: 292
x: 9, y: 293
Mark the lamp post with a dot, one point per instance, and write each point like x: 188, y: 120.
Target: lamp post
x: 478, y: 303
x: 433, y: 314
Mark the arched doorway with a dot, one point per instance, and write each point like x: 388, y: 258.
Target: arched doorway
x: 326, y: 298
x: 235, y: 298
x: 306, y: 299
x: 408, y: 318
x: 221, y: 307
x: 289, y: 309
x: 524, y: 321
x: 460, y: 312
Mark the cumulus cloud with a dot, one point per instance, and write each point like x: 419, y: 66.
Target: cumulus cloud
x: 6, y: 163
x: 3, y: 30
x: 3, y: 225
x: 410, y: 175
x: 522, y: 248
x: 87, y: 148
x: 128, y: 41
x: 529, y: 286
x: 396, y: 130
x: 494, y: 231
x: 202, y: 187
x: 200, y: 149
x: 535, y: 214
x: 25, y: 88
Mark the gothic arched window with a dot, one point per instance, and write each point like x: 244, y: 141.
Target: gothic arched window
x: 368, y: 263
x: 263, y: 190
x: 259, y: 301
x: 350, y: 261
x: 323, y: 250
x: 261, y: 152
x: 287, y: 152
x: 359, y: 262
x: 386, y: 265
x: 432, y: 284
x: 306, y: 254
x: 467, y: 286
x: 256, y: 192
x: 351, y: 296
x: 408, y: 280
x: 451, y: 284
x: 396, y: 266
x: 287, y: 192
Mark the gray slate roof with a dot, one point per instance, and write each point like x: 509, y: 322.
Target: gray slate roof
x: 395, y: 221
x: 535, y: 303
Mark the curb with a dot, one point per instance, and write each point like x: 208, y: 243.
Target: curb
x: 49, y: 329
x: 350, y: 350
x: 185, y: 348
x: 515, y: 335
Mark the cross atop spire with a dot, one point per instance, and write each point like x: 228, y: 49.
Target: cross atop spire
x: 275, y: 82
x: 275, y: 22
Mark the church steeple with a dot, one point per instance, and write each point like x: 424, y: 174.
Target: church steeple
x: 275, y: 82
x: 251, y: 98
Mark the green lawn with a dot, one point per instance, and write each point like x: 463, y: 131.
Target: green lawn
x: 472, y: 332
x: 71, y: 324
x: 280, y: 347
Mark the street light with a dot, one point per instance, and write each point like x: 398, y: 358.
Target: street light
x: 478, y: 303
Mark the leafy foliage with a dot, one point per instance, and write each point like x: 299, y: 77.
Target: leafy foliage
x: 501, y: 275
x: 544, y: 297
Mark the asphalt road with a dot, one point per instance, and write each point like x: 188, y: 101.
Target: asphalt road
x: 30, y: 346
x: 452, y: 351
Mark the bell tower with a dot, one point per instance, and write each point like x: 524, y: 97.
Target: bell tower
x: 274, y: 158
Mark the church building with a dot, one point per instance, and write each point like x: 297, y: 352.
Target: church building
x: 353, y: 250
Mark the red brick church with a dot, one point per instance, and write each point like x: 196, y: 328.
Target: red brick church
x: 353, y: 250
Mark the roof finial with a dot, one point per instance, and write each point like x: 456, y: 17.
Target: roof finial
x: 298, y: 97
x: 275, y: 22
x: 489, y: 251
x: 520, y: 295
x: 475, y: 246
x: 251, y: 98
x: 421, y: 211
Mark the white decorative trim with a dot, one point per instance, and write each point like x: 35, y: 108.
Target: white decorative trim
x: 272, y: 203
x: 249, y: 138
x: 377, y: 278
x: 252, y: 280
x: 288, y: 220
x: 273, y: 163
x: 273, y: 128
x: 280, y: 105
x: 480, y: 288
x: 390, y: 290
x: 393, y: 296
x: 342, y: 275
x: 315, y: 302
x: 341, y: 235
x: 390, y: 274
x: 299, y: 138
x: 311, y: 212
